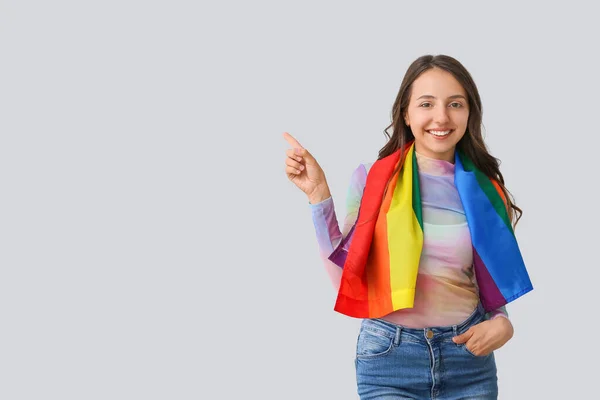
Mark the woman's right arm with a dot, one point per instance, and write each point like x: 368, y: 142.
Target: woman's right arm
x: 305, y: 172
x: 327, y: 229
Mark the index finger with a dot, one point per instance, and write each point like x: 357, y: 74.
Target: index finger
x: 292, y: 141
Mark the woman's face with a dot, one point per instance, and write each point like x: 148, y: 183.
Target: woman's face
x: 437, y: 114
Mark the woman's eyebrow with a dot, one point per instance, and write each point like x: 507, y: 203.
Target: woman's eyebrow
x: 454, y: 96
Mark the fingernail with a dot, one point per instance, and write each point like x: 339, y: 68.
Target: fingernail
x: 297, y: 150
x: 302, y: 168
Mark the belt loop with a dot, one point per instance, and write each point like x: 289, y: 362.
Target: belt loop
x: 455, y: 330
x: 397, y: 337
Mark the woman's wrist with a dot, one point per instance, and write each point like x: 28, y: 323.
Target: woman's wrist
x: 319, y: 194
x: 504, y: 324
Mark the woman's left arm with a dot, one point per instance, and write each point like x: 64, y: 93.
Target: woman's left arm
x: 489, y: 335
x: 499, y: 312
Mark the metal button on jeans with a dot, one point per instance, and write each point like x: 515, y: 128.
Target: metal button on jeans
x: 429, y: 334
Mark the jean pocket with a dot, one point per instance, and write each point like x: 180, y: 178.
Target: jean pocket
x: 373, y: 344
x: 464, y: 346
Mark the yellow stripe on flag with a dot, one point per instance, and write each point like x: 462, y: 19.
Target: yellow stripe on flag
x: 405, y: 238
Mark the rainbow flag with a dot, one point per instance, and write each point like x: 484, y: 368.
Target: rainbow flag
x: 380, y: 256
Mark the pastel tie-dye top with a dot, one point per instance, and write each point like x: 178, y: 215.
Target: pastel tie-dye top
x: 446, y: 288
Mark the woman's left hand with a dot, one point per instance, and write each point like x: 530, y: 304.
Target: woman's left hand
x: 483, y: 338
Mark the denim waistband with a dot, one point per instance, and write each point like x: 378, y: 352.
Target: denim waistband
x: 393, y: 330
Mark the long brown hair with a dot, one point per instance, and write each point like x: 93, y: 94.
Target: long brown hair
x: 471, y: 144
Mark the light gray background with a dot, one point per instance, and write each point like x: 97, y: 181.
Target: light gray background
x: 151, y: 246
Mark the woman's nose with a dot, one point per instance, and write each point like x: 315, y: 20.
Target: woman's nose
x: 441, y: 116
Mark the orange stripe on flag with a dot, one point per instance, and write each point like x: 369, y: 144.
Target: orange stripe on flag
x: 379, y: 278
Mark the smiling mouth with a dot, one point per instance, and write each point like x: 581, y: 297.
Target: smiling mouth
x: 439, y: 133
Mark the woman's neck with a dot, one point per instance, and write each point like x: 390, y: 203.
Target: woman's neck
x: 434, y: 166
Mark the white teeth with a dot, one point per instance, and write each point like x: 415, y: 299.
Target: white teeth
x: 439, y: 133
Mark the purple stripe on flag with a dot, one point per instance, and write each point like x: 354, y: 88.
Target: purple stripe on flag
x: 340, y: 253
x: 490, y: 295
x: 338, y: 257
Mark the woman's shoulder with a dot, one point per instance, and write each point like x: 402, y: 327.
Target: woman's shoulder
x: 359, y: 175
x: 363, y: 169
x: 367, y: 166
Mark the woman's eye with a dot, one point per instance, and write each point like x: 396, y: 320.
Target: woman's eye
x: 426, y: 105
x: 455, y: 105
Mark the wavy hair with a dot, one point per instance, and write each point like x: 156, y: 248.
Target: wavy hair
x: 471, y: 144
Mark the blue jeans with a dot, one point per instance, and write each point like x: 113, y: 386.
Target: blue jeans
x: 394, y: 362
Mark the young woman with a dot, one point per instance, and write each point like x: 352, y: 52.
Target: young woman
x: 427, y: 255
